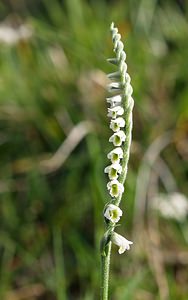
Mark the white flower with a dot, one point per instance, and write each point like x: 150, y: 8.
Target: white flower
x: 116, y: 124
x: 115, y: 155
x: 113, y: 171
x: 115, y: 100
x: 114, y: 87
x: 118, y: 138
x: 121, y: 242
x: 115, y: 188
x: 113, y: 213
x: 115, y: 111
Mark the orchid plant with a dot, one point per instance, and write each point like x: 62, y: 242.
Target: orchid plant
x: 120, y: 114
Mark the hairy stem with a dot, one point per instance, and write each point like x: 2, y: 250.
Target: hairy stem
x: 105, y: 272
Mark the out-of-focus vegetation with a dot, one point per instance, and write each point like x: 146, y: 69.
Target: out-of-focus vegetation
x: 54, y: 141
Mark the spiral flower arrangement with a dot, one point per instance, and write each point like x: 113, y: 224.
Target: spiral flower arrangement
x: 120, y: 113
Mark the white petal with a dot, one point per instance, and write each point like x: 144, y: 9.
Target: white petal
x: 106, y: 170
x: 123, y: 56
x: 114, y: 101
x: 130, y: 102
x: 116, y: 39
x: 109, y: 185
x: 111, y: 139
x: 123, y: 67
x: 115, y: 166
x: 114, y: 75
x: 127, y: 78
x: 120, y: 46
x: 121, y: 242
x: 115, y: 111
x: 128, y: 90
x: 119, y: 151
x: 116, y: 124
x: 114, y: 87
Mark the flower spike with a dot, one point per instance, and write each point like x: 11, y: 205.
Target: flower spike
x: 120, y: 113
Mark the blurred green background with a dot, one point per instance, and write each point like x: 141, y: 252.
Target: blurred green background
x: 54, y: 141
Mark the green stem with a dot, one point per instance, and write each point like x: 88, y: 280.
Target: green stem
x: 105, y: 272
